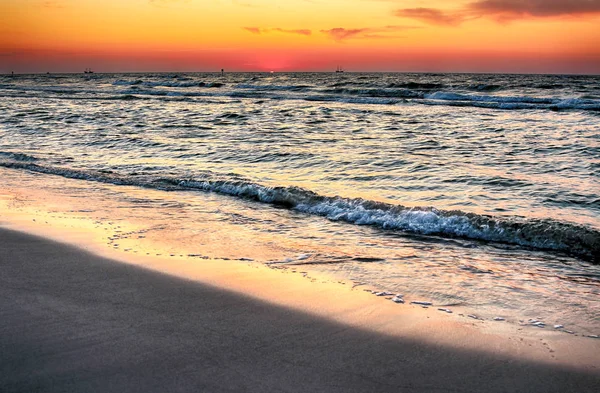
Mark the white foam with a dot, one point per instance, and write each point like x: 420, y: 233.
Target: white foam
x: 541, y: 234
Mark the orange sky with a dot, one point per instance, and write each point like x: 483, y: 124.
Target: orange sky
x: 545, y: 36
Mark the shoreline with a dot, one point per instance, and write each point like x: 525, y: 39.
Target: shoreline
x: 77, y: 321
x: 235, y: 258
x: 52, y: 216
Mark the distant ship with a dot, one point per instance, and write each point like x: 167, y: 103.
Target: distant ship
x: 88, y: 71
x: 339, y: 69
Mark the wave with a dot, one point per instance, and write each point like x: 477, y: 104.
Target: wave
x: 17, y: 156
x: 428, y: 86
x: 128, y: 83
x: 451, y: 96
x: 412, y: 85
x: 138, y: 82
x: 350, y: 83
x: 548, y: 86
x: 387, y: 92
x: 355, y: 100
x: 464, y: 94
x: 484, y: 87
x: 275, y: 87
x: 417, y: 85
x: 126, y: 97
x: 461, y: 99
x: 511, y: 102
x: 540, y: 234
x: 410, y: 90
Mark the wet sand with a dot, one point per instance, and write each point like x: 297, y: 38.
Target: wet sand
x: 74, y: 321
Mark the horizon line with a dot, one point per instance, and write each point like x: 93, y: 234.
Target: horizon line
x: 301, y: 72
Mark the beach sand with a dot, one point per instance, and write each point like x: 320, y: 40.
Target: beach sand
x: 74, y: 321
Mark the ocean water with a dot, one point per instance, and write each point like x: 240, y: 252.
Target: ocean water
x: 473, y: 191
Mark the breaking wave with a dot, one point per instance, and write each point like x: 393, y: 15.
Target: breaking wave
x: 451, y: 98
x: 540, y: 234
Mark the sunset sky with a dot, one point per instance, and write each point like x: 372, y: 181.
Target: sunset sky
x: 540, y: 36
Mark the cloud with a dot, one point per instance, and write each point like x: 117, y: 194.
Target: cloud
x: 536, y: 8
x: 259, y: 30
x: 341, y: 33
x: 502, y: 10
x: 254, y: 30
x: 431, y: 15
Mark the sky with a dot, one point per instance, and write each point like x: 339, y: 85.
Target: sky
x: 512, y: 36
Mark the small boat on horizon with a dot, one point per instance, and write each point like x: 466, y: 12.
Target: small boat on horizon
x: 88, y: 71
x: 339, y: 69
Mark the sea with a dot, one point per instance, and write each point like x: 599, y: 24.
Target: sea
x: 478, y: 192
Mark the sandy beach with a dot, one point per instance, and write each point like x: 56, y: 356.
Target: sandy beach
x: 74, y: 321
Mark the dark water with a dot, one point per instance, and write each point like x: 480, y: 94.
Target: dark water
x: 479, y: 190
